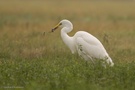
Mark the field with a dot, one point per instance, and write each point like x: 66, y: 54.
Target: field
x: 33, y: 60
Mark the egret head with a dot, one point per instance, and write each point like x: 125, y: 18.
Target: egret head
x: 63, y: 23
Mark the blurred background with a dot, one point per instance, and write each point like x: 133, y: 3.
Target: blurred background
x: 22, y: 23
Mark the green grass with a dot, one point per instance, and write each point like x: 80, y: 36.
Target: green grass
x: 65, y: 72
x: 30, y: 60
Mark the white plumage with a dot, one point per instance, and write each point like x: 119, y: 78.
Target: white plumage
x: 87, y: 46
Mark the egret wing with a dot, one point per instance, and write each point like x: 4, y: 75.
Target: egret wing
x: 90, y: 46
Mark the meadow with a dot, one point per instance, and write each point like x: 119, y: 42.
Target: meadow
x: 33, y: 60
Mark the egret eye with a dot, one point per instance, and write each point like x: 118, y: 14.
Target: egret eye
x: 60, y: 23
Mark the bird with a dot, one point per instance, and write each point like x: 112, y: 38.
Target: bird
x: 85, y: 44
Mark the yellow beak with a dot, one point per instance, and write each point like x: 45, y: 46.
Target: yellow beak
x: 56, y: 27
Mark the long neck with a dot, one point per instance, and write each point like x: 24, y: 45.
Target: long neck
x: 67, y: 39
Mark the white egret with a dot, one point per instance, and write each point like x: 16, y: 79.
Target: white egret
x: 87, y: 46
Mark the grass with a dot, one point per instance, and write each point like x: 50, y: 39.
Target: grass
x: 30, y: 60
